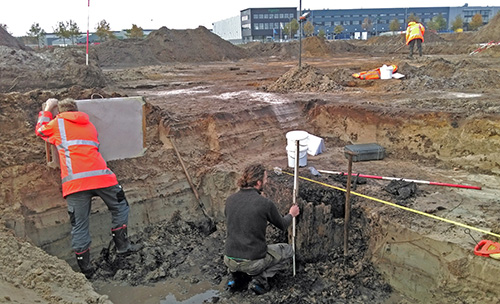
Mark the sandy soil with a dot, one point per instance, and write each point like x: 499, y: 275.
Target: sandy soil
x: 226, y: 107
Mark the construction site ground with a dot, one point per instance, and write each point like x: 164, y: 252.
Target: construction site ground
x: 225, y: 107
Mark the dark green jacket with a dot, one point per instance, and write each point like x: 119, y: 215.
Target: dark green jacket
x: 247, y: 214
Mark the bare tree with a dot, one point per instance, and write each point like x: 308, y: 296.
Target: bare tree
x: 103, y: 31
x: 458, y: 23
x: 135, y: 32
x: 74, y: 30
x: 476, y: 22
x: 62, y: 31
x: 37, y: 32
x: 308, y: 28
x: 394, y: 25
x: 367, y: 24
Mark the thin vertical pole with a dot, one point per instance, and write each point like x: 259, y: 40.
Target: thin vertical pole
x: 300, y: 34
x: 295, y: 195
x: 347, y: 203
x: 88, y: 25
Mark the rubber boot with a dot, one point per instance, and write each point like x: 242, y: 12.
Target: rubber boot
x: 83, y: 260
x: 259, y: 285
x: 237, y: 281
x: 122, y: 242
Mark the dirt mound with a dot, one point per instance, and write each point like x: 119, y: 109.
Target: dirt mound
x: 305, y: 79
x: 29, y: 275
x: 23, y: 70
x: 311, y: 47
x: 6, y: 39
x: 443, y: 74
x: 489, y: 32
x: 342, y: 46
x: 436, y: 74
x: 165, y: 45
x: 315, y: 47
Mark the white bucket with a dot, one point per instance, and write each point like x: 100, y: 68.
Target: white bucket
x: 292, y: 152
x: 301, y: 136
x: 386, y: 72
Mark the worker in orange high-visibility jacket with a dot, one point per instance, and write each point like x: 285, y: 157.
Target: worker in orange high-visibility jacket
x: 84, y: 174
x: 415, y: 34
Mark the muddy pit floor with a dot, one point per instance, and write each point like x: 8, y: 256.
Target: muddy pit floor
x: 180, y: 260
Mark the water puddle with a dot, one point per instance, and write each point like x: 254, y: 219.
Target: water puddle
x: 269, y: 98
x: 190, y: 91
x: 463, y: 95
x: 205, y: 297
x: 167, y: 292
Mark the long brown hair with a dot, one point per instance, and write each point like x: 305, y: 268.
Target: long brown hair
x: 251, y: 175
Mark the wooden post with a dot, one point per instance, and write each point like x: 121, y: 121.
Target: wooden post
x: 348, y: 202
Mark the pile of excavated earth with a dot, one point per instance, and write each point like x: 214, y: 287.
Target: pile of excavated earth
x: 227, y: 106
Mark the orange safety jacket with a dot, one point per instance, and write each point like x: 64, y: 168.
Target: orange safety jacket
x: 373, y: 74
x: 82, y: 165
x: 414, y: 31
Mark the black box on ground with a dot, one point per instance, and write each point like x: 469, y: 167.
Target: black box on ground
x: 365, y: 152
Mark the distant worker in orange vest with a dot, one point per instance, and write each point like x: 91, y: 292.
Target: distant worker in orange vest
x: 84, y: 174
x: 415, y: 33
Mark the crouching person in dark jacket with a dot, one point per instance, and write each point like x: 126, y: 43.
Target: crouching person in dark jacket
x: 247, y: 215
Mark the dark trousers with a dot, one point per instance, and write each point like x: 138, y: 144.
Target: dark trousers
x: 277, y: 258
x: 79, y: 205
x: 418, y: 41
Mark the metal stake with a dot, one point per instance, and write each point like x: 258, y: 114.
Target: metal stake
x: 295, y: 194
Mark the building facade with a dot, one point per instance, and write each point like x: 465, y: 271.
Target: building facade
x: 377, y: 20
x: 266, y: 24
x: 263, y: 24
x: 228, y: 29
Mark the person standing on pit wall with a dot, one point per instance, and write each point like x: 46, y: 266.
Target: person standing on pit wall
x: 247, y: 214
x: 84, y: 174
x: 415, y: 34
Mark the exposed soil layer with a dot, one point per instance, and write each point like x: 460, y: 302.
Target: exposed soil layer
x: 227, y: 106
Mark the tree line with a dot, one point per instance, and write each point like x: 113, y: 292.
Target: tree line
x: 71, y: 31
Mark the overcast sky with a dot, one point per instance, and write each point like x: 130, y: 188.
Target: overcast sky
x: 19, y: 15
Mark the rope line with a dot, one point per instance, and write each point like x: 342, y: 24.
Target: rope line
x: 401, y: 207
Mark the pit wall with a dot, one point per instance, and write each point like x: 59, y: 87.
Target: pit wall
x: 214, y: 151
x: 212, y: 148
x: 469, y: 142
x: 429, y: 270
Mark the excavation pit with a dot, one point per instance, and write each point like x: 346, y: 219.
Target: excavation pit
x: 440, y: 123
